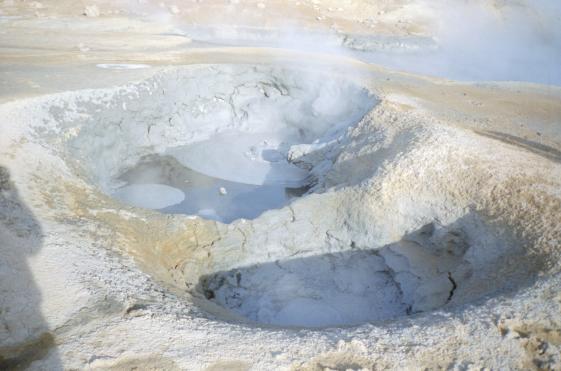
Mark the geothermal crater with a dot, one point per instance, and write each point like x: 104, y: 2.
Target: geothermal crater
x: 234, y: 143
x: 218, y: 143
x: 246, y: 185
x: 427, y: 269
x: 350, y: 287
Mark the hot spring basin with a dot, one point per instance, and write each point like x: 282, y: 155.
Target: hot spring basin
x: 218, y: 144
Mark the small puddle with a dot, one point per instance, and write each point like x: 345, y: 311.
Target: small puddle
x: 162, y: 183
x: 122, y: 66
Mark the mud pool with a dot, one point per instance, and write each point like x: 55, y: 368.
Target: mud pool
x: 162, y: 183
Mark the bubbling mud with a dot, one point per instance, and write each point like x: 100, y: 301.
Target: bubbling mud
x: 162, y: 183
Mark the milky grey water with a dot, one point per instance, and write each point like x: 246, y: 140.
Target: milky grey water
x: 162, y: 183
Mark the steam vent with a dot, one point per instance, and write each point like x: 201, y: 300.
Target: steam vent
x: 280, y: 185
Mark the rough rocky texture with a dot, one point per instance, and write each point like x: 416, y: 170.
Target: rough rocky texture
x: 444, y: 196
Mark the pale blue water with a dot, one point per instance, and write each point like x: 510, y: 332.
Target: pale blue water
x: 205, y: 196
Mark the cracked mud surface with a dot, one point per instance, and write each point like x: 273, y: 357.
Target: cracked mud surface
x: 411, y: 276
